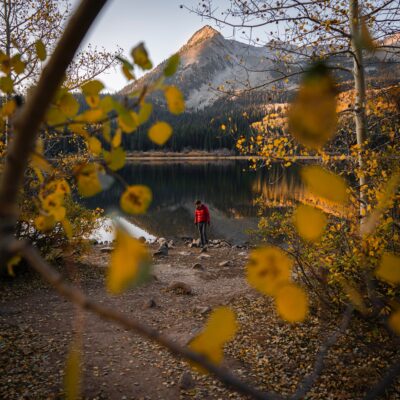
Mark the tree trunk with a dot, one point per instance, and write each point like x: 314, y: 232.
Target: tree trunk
x: 360, y: 99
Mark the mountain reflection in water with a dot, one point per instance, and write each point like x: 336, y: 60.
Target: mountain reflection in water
x: 228, y: 187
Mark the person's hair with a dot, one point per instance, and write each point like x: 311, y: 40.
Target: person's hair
x: 198, y: 202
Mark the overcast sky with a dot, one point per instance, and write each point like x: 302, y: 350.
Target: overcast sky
x: 161, y: 24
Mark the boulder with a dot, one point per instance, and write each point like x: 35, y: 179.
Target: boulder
x: 150, y: 304
x: 161, y: 240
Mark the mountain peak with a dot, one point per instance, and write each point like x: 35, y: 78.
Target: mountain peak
x: 206, y: 32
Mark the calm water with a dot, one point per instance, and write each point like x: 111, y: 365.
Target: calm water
x: 228, y: 188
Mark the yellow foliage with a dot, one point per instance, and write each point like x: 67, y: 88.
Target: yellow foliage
x: 40, y: 50
x: 389, y: 269
x: 312, y: 116
x: 92, y: 88
x: 94, y: 145
x: 325, y: 184
x: 267, y: 269
x: 87, y: 177
x: 115, y: 158
x: 172, y: 65
x: 175, y: 102
x: 310, y: 222
x: 220, y: 328
x: 144, y: 113
x: 140, y: 57
x: 128, y: 259
x: 160, y: 132
x: 136, y: 199
x: 44, y: 223
x: 292, y: 303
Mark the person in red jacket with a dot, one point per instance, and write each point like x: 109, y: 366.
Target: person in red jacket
x: 202, y: 220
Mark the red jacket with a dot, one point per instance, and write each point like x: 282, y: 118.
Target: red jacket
x: 201, y: 214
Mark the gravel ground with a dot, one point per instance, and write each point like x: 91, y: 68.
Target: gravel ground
x: 36, y: 328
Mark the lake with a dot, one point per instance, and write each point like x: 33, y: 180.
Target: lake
x: 227, y: 187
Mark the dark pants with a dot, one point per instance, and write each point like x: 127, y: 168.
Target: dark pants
x: 202, y: 227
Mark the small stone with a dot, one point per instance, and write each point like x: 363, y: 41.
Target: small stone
x: 150, y: 304
x: 180, y: 288
x: 186, y: 381
x: 224, y: 263
x: 202, y: 309
x: 142, y: 239
x: 107, y: 249
x: 162, y: 251
x: 198, y: 267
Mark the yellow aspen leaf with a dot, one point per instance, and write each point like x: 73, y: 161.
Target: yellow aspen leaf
x: 160, y: 132
x: 267, y: 269
x: 220, y: 328
x: 175, y: 102
x: 44, y: 223
x: 129, y: 260
x: 325, y: 184
x: 223, y: 127
x: 221, y: 325
x: 204, y: 346
x: 92, y: 88
x: 127, y: 72
x: 72, y: 374
x: 93, y: 101
x: 68, y: 105
x: 136, y: 199
x: 141, y: 57
x: 115, y: 158
x: 389, y: 269
x: 312, y: 116
x: 8, y: 108
x: 354, y: 296
x: 17, y: 64
x: 172, y: 65
x: 87, y: 177
x: 78, y: 129
x: 292, y: 303
x: 91, y: 116
x: 6, y: 84
x: 107, y: 104
x: 40, y: 50
x: 55, y: 116
x: 144, y: 113
x: 310, y: 222
x: 116, y: 140
x: 94, y: 145
x: 128, y: 121
x: 394, y: 322
x: 38, y: 161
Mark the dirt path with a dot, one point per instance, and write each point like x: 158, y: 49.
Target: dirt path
x: 36, y: 328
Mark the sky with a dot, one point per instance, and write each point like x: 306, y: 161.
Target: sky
x: 161, y: 24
